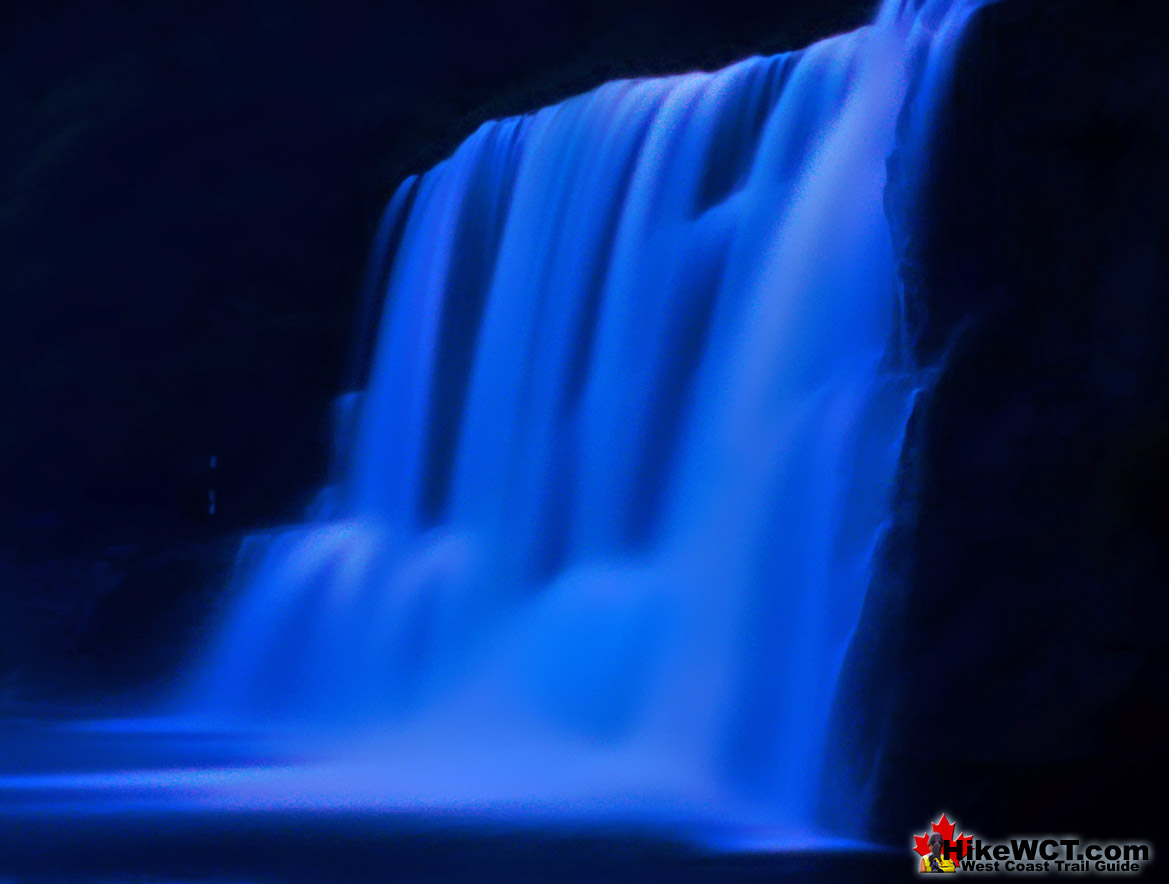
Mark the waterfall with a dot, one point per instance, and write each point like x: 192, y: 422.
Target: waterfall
x: 607, y: 504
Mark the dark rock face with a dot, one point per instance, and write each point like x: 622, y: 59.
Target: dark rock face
x: 1024, y: 630
x: 188, y: 191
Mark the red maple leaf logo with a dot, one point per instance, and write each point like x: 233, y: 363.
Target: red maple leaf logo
x: 959, y: 846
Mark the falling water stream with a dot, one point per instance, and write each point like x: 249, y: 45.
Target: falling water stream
x: 607, y: 505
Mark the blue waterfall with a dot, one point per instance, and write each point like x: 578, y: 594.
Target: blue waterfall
x: 606, y: 509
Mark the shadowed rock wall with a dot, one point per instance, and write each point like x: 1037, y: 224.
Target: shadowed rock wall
x: 1016, y: 660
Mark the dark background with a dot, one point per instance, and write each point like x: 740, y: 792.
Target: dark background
x: 187, y: 191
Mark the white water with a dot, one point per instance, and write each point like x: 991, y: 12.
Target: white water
x: 609, y: 501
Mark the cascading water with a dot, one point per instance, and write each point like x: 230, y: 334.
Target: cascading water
x: 609, y: 499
